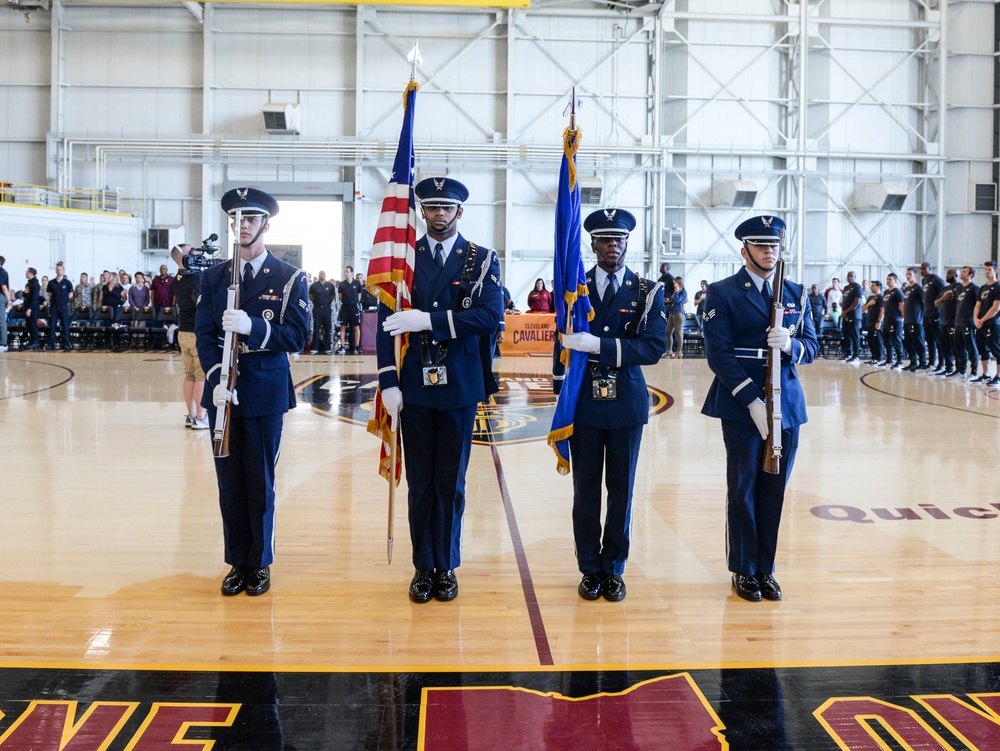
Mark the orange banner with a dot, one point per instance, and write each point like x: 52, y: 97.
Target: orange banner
x: 529, y: 334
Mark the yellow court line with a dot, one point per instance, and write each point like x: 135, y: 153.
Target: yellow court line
x: 201, y: 668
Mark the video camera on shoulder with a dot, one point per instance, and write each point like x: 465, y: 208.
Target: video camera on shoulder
x: 199, y: 259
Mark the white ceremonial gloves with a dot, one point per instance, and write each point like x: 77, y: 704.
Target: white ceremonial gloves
x: 220, y: 395
x: 236, y: 321
x: 582, y: 342
x: 392, y: 400
x: 758, y: 411
x: 781, y: 338
x: 407, y: 321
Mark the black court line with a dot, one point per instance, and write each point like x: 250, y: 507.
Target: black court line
x: 69, y: 378
x: 534, y: 611
x: 865, y: 383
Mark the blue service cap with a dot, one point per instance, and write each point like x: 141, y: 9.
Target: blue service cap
x: 436, y: 191
x: 616, y: 222
x: 250, y: 201
x: 761, y: 230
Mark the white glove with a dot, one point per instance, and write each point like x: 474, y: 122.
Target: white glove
x: 407, y: 321
x: 392, y: 400
x: 220, y: 396
x: 236, y: 321
x: 781, y: 338
x: 758, y: 411
x: 582, y: 342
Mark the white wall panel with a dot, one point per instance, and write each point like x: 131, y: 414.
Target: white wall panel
x: 137, y: 73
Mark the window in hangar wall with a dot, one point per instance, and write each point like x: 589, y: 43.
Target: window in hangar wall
x: 308, y: 234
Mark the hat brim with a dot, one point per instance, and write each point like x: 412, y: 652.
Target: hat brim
x: 770, y: 240
x: 609, y: 233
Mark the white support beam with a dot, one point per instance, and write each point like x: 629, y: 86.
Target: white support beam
x: 196, y: 10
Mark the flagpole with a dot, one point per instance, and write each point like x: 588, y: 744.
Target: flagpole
x: 572, y: 129
x: 414, y: 59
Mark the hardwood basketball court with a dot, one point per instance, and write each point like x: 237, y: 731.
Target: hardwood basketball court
x: 112, y: 558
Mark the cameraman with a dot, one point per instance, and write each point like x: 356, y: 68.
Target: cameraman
x: 185, y: 288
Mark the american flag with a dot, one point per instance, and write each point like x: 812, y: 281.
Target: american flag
x: 390, y: 268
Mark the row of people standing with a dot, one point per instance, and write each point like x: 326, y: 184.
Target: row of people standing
x: 948, y: 327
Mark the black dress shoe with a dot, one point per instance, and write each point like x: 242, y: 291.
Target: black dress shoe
x: 258, y: 581
x: 234, y: 582
x: 614, y: 588
x: 422, y: 585
x: 591, y: 586
x: 445, y: 586
x: 746, y: 587
x: 769, y: 587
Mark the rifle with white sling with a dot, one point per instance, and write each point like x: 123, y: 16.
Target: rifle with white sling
x: 772, y: 381
x: 230, y: 351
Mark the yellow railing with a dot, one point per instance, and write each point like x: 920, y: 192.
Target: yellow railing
x: 72, y: 199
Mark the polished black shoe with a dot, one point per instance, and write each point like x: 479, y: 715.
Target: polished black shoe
x: 445, y: 586
x: 234, y: 582
x: 769, y: 587
x: 422, y: 585
x: 614, y: 588
x: 258, y: 581
x: 746, y: 587
x: 31, y: 346
x: 591, y: 586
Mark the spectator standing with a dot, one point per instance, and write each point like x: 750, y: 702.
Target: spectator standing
x: 186, y: 287
x: 60, y: 292
x: 32, y: 301
x: 699, y: 304
x: 83, y: 293
x: 667, y: 280
x: 6, y: 300
x: 945, y: 304
x: 933, y: 286
x: 965, y: 327
x: 817, y: 306
x: 540, y: 299
x: 985, y: 316
x: 873, y: 316
x: 350, y: 311
x: 321, y: 293
x: 162, y: 289
x: 138, y: 296
x: 675, y: 319
x: 834, y: 297
x: 892, y: 322
x: 913, y: 322
x: 97, y: 294
x: 851, y: 326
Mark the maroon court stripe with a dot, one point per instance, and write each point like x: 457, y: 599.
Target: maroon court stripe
x: 44, y: 388
x: 534, y: 612
x: 864, y: 381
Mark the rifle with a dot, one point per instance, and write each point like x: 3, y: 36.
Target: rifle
x: 230, y: 351
x: 772, y: 381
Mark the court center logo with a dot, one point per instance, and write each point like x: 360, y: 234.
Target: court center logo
x: 520, y: 411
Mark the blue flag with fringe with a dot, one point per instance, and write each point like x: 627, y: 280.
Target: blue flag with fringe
x: 573, y: 308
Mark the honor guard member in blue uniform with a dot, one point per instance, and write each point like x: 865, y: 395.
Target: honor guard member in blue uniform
x: 272, y: 320
x: 457, y: 305
x: 737, y: 339
x: 628, y: 330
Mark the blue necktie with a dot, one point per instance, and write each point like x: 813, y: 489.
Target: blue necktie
x: 765, y: 292
x: 611, y: 289
x: 247, y: 274
x: 439, y: 256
